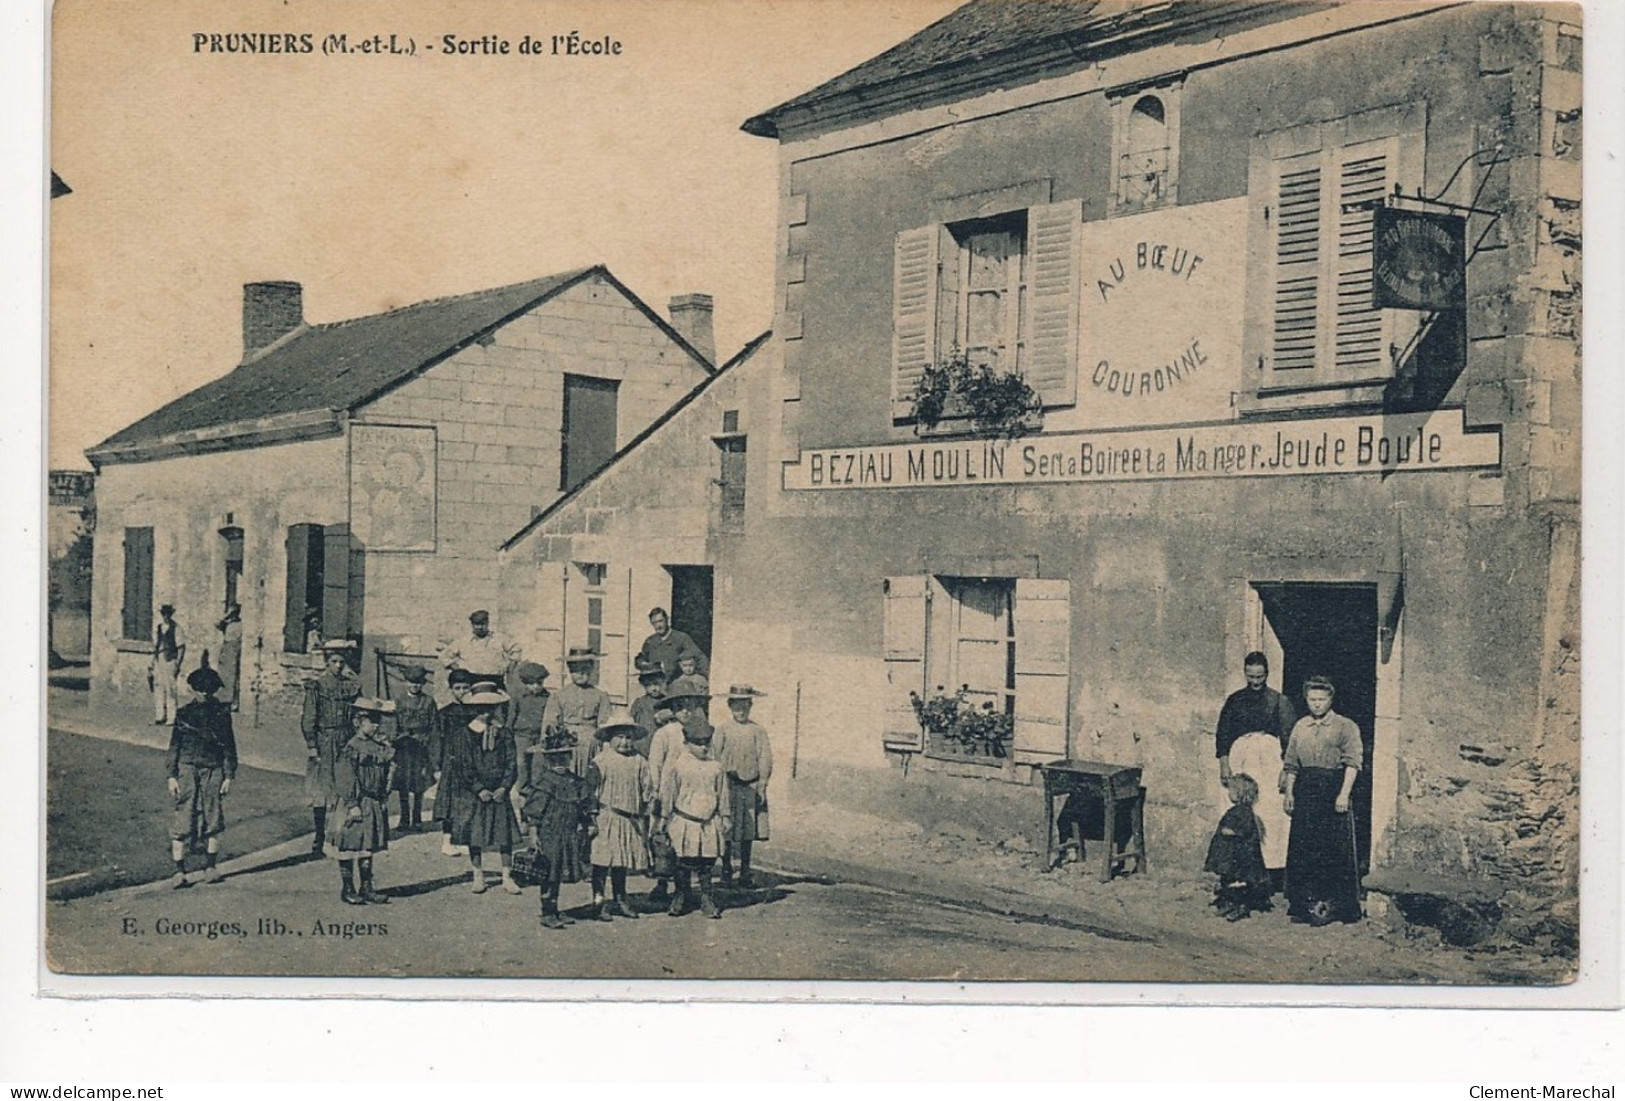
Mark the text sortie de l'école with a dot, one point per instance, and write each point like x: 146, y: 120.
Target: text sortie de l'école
x: 254, y: 43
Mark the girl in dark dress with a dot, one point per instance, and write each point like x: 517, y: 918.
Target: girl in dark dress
x: 359, y: 826
x: 560, y: 807
x: 449, y: 785
x: 487, y: 770
x: 1236, y: 855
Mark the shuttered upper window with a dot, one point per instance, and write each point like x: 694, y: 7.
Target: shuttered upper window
x: 1316, y: 335
x: 137, y: 610
x: 1002, y: 289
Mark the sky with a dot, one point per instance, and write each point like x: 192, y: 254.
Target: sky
x: 376, y: 181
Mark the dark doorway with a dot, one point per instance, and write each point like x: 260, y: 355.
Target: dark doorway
x: 588, y: 439
x: 691, y: 603
x: 1330, y: 630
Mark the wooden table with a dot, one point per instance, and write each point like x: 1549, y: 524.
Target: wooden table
x: 1117, y: 787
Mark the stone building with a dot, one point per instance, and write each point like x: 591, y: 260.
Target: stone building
x: 355, y: 478
x: 647, y: 531
x: 1163, y: 216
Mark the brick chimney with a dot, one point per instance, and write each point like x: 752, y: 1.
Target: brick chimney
x: 691, y: 317
x: 270, y: 312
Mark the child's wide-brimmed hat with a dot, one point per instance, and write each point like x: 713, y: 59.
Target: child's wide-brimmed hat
x: 616, y: 721
x: 414, y: 674
x: 581, y: 655
x: 485, y: 694
x: 338, y: 645
x: 205, y: 681
x: 741, y: 692
x: 479, y: 616
x: 698, y: 736
x: 558, y: 741
x: 166, y: 609
x: 531, y: 672
x: 689, y: 686
x: 373, y: 706
x: 650, y: 671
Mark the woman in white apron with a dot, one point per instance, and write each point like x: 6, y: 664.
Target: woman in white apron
x: 1259, y: 756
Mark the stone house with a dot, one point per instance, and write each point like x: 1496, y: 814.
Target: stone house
x: 355, y: 478
x: 1173, y: 220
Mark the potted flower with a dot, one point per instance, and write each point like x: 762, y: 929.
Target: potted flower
x: 996, y: 403
x: 954, y: 723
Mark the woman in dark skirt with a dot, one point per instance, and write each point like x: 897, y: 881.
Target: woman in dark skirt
x: 487, y: 770
x: 1322, y: 759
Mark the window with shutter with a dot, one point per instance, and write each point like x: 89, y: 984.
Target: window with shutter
x: 1042, y: 659
x: 914, y: 306
x: 1325, y: 343
x: 1363, y: 177
x: 335, y: 593
x: 137, y: 610
x: 304, y: 543
x: 1297, y: 262
x: 1054, y: 233
x: 903, y: 648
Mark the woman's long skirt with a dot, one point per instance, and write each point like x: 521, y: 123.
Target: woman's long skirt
x: 1322, y: 875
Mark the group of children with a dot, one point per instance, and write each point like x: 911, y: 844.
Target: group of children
x: 572, y: 786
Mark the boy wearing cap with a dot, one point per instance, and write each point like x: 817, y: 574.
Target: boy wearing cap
x: 694, y: 809
x: 746, y: 756
x: 486, y: 772
x: 482, y: 656
x: 648, y: 708
x: 559, y: 808
x: 623, y: 795
x: 359, y: 828
x: 168, y: 658
x: 533, y: 712
x: 325, y: 724
x: 582, y: 707
x: 416, y: 726
x: 202, y: 762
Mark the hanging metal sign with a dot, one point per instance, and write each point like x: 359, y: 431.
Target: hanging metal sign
x: 1419, y: 260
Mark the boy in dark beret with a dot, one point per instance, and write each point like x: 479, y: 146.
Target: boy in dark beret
x: 202, y: 762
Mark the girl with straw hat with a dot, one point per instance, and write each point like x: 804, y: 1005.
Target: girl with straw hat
x: 487, y: 771
x: 623, y: 795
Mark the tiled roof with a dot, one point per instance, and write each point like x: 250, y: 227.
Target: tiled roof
x: 342, y: 365
x: 992, y: 33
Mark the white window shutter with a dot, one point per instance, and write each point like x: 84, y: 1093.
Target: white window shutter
x: 914, y: 312
x: 1043, y: 669
x: 903, y: 647
x: 1054, y: 236
x: 547, y: 643
x: 619, y: 626
x: 1364, y: 174
x: 1297, y: 254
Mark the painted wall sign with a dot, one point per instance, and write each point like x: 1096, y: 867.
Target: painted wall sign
x: 1255, y: 449
x: 1419, y: 259
x: 392, y: 487
x: 1161, y: 317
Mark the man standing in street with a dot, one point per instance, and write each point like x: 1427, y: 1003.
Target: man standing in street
x: 325, y: 724
x: 667, y: 647
x: 482, y: 656
x: 168, y: 658
x: 1254, y: 727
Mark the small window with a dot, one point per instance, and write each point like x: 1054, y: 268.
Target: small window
x: 730, y: 420
x: 593, y: 575
x: 137, y: 611
x: 732, y: 481
x: 1145, y: 148
x: 587, y: 440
